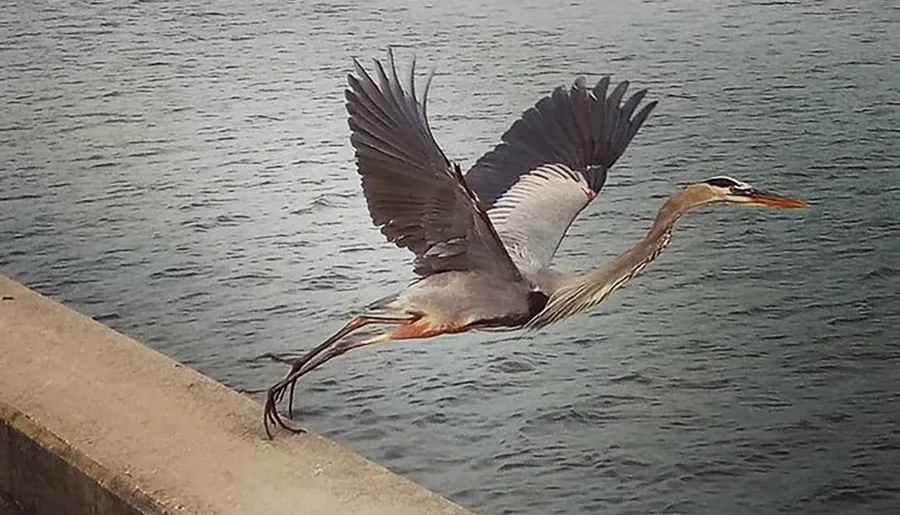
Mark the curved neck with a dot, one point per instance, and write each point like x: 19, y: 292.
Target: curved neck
x: 579, y: 293
x: 674, y: 207
x: 628, y: 264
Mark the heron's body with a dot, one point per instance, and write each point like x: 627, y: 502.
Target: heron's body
x: 483, y: 241
x: 469, y: 300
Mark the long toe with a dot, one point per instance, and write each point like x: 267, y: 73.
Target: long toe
x: 291, y: 399
x: 273, y: 418
x: 248, y: 391
x: 288, y: 359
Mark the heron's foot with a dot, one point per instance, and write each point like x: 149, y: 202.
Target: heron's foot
x: 274, y: 395
x: 330, y: 348
x: 287, y: 359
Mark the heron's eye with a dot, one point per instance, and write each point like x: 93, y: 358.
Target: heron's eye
x: 722, y: 182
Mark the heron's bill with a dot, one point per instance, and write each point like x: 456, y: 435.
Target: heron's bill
x: 763, y: 198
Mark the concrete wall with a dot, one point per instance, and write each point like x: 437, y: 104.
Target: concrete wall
x: 92, y: 422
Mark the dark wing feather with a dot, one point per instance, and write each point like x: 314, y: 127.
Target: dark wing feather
x: 414, y: 193
x: 582, y: 129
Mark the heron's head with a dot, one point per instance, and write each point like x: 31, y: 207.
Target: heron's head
x: 727, y: 189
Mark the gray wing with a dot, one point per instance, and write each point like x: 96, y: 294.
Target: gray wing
x: 533, y: 214
x: 579, y: 130
x: 414, y: 193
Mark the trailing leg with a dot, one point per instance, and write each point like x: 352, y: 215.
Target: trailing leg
x: 330, y: 348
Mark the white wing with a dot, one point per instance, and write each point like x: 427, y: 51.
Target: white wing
x: 533, y: 215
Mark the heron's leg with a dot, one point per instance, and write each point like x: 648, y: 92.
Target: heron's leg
x: 306, y: 361
x: 357, y: 322
x: 330, y: 348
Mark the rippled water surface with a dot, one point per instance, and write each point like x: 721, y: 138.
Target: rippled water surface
x: 181, y: 171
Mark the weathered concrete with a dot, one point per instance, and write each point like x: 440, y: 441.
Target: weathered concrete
x: 8, y: 508
x: 93, y: 422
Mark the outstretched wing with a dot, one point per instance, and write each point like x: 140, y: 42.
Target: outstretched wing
x: 552, y: 162
x: 414, y: 193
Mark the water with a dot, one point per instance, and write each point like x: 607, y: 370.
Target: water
x: 181, y: 172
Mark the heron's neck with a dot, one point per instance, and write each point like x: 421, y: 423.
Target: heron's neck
x: 583, y: 291
x: 633, y: 261
x: 661, y: 230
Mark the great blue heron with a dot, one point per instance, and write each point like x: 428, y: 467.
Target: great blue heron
x: 483, y: 241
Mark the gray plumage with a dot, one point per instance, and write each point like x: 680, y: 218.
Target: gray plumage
x: 483, y: 242
x: 415, y: 194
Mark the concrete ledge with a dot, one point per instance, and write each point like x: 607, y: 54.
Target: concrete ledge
x: 93, y: 422
x: 43, y: 474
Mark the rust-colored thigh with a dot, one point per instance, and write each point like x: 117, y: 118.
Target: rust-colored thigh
x: 426, y: 328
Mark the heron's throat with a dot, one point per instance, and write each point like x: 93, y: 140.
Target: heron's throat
x: 674, y: 207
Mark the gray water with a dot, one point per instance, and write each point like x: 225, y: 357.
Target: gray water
x: 181, y: 171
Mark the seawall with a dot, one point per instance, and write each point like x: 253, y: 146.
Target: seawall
x: 93, y: 422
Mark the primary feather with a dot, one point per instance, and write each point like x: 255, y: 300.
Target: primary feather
x: 414, y: 193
